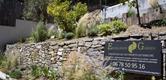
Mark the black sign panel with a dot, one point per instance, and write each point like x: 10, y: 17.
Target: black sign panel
x: 143, y: 57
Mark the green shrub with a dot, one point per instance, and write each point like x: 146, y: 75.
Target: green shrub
x: 93, y: 32
x: 52, y: 33
x: 105, y: 29
x: 69, y: 35
x: 15, y: 74
x: 45, y: 71
x: 40, y: 34
x: 118, y: 26
x: 130, y: 13
x: 3, y: 62
x: 161, y: 22
x: 114, y: 27
x: 52, y: 75
x: 61, y: 35
x: 66, y: 15
x: 2, y: 58
x: 22, y: 40
x: 38, y: 71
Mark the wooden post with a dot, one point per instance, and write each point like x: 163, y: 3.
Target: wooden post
x: 138, y: 13
x: 164, y: 64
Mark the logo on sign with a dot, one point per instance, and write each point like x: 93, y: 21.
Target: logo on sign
x: 132, y: 47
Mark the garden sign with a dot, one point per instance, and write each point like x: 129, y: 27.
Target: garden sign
x: 142, y: 57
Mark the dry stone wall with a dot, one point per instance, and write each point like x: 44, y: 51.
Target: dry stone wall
x: 53, y: 53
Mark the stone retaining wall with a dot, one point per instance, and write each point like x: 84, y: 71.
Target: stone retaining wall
x: 53, y: 53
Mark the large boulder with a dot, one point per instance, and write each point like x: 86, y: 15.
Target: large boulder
x: 4, y: 76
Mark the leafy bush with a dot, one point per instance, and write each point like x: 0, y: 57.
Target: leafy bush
x: 114, y: 27
x: 52, y: 33
x: 15, y: 74
x: 82, y: 31
x: 65, y: 15
x: 93, y: 32
x: 40, y: 34
x: 61, y: 35
x: 117, y: 26
x: 130, y: 13
x: 38, y: 71
x: 3, y: 63
x: 22, y: 40
x: 161, y: 22
x: 105, y: 29
x: 69, y: 35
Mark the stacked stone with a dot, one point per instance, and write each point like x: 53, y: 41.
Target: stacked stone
x: 52, y: 53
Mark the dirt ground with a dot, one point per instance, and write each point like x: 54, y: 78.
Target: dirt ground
x: 135, y: 29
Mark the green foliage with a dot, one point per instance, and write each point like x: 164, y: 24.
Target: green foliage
x: 36, y: 71
x: 52, y: 75
x: 22, y: 40
x: 105, y: 29
x: 61, y: 35
x: 43, y: 71
x: 122, y: 1
x: 118, y: 75
x: 65, y: 15
x: 40, y: 34
x: 117, y: 26
x: 82, y: 31
x: 114, y: 27
x: 35, y: 10
x: 161, y: 22
x: 131, y: 4
x: 69, y: 35
x: 130, y: 13
x: 93, y: 32
x: 52, y: 33
x: 15, y: 74
x: 3, y: 61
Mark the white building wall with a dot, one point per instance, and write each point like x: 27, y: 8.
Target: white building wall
x: 23, y: 29
x: 10, y: 34
x: 119, y: 9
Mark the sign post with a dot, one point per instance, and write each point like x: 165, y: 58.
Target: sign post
x: 141, y: 57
